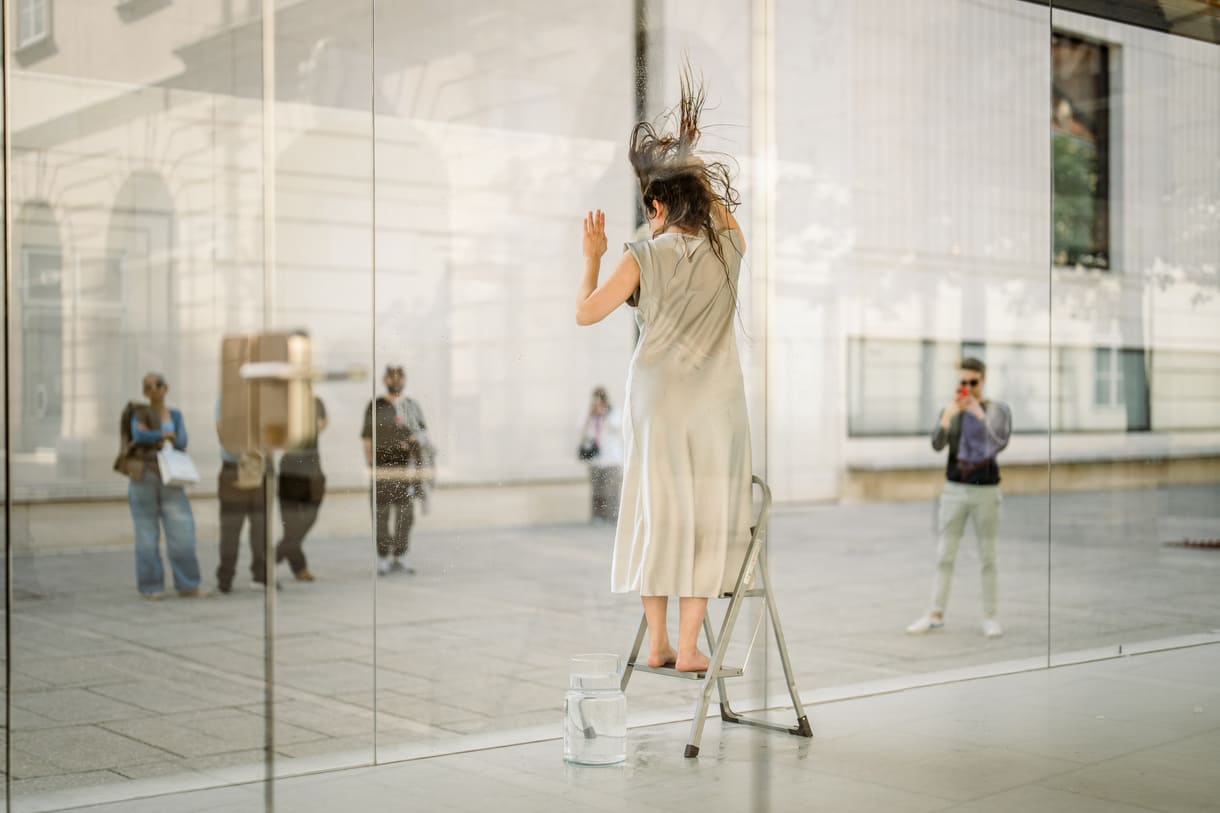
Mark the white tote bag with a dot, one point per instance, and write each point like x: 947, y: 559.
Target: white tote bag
x: 177, y: 468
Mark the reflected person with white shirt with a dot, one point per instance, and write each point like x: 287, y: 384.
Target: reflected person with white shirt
x: 602, y: 446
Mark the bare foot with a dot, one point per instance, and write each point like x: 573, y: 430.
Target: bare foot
x: 698, y: 662
x: 662, y: 657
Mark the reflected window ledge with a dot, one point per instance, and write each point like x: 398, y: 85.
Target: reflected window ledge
x: 897, y: 453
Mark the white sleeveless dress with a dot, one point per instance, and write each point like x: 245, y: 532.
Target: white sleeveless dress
x: 683, y: 525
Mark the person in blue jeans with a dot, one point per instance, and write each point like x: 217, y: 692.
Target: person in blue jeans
x: 154, y: 504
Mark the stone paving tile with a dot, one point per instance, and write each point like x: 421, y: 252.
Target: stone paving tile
x: 1044, y: 800
x: 83, y: 748
x: 325, y: 717
x: 227, y: 657
x: 552, y: 717
x: 21, y: 719
x: 325, y: 677
x: 68, y: 670
x: 160, y: 696
x: 75, y: 706
x: 303, y: 649
x: 357, y: 750
x: 155, y: 770
x: 223, y: 692
x: 1126, y: 780
x: 1054, y: 733
x: 28, y: 787
x: 209, y: 732
x: 27, y: 765
x: 165, y: 635
x: 957, y: 772
x: 423, y: 710
x: 492, y: 695
x: 174, y: 738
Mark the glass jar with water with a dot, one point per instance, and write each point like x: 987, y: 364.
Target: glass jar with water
x: 595, y: 712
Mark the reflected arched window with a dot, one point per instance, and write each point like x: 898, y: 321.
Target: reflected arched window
x: 40, y: 330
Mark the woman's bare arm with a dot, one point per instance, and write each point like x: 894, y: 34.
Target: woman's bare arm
x: 595, y: 302
x: 724, y: 221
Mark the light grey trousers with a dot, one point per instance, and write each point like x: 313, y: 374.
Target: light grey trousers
x: 981, y: 505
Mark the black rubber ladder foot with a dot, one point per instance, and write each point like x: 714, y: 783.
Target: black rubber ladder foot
x: 803, y: 728
x: 728, y: 715
x: 692, y: 751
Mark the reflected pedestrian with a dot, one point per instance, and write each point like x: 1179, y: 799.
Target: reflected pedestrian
x: 684, y: 524
x: 153, y: 504
x: 397, y: 460
x: 241, y: 488
x: 301, y: 488
x: 976, y: 430
x: 602, y: 448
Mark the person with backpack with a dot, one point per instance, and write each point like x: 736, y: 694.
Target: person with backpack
x: 401, y: 458
x: 144, y: 429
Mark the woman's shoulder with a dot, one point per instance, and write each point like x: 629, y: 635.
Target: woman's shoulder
x: 733, y: 237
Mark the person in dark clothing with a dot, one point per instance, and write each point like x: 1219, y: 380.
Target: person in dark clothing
x: 301, y: 488
x: 241, y: 490
x: 976, y: 430
x: 396, y: 459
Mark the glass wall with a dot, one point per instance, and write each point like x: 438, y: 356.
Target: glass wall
x: 383, y: 199
x: 911, y: 208
x: 137, y: 239
x: 1135, y: 313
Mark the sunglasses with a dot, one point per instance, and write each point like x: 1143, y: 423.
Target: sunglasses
x: 156, y: 385
x: 974, y: 382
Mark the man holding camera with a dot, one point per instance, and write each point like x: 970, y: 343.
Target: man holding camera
x: 976, y: 430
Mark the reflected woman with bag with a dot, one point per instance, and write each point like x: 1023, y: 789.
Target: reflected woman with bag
x: 601, y: 447
x: 154, y: 427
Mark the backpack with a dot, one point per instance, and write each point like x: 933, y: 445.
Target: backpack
x: 127, y: 462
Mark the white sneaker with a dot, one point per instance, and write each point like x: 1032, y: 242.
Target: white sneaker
x: 926, y: 623
x: 383, y: 566
x: 992, y: 628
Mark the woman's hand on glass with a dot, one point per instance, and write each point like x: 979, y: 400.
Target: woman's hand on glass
x: 594, y: 242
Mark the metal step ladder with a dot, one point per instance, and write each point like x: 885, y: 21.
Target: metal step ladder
x: 718, y: 645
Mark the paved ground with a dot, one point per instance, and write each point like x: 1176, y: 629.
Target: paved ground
x: 1126, y: 735
x: 124, y: 696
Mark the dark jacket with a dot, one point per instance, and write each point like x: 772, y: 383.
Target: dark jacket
x: 997, y: 429
x: 396, y: 443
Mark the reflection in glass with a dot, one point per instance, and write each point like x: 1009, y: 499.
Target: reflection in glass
x: 1080, y: 142
x: 912, y: 208
x: 1135, y: 342
x: 136, y: 243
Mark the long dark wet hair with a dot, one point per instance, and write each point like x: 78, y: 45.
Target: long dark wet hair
x: 669, y: 171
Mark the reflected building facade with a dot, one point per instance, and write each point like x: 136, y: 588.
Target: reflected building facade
x: 1032, y: 186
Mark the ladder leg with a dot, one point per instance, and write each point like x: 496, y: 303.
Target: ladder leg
x: 722, y: 645
x: 696, y: 726
x: 726, y: 711
x: 802, y: 720
x: 635, y: 653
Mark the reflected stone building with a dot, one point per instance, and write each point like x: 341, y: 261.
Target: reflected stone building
x: 437, y: 178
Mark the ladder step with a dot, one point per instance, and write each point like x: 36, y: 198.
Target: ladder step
x: 669, y: 671
x: 758, y: 593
